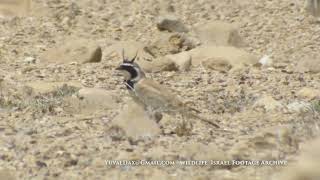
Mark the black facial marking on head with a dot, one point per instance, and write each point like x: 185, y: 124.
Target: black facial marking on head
x: 130, y: 69
x: 133, y: 69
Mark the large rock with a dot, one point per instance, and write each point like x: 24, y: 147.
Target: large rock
x: 219, y: 33
x: 135, y: 123
x: 171, y: 23
x: 158, y: 65
x: 310, y: 64
x: 98, y: 97
x: 171, y: 43
x: 73, y: 50
x: 91, y: 100
x: 217, y: 56
x: 11, y: 8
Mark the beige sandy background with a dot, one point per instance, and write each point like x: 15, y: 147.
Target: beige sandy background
x: 252, y: 65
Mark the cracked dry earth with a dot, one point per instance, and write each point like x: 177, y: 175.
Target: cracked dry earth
x: 64, y: 110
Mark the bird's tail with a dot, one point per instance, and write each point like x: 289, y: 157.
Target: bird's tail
x: 211, y: 122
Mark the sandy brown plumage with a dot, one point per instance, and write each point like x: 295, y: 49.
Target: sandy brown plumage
x: 155, y: 97
x: 161, y: 99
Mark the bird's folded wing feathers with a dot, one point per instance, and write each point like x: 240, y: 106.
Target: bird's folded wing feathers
x: 152, y: 90
x: 158, y: 95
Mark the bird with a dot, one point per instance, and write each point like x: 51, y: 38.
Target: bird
x: 154, y: 97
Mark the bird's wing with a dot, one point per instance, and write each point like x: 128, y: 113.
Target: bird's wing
x: 156, y: 95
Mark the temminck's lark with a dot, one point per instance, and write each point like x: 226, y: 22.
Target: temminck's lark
x: 155, y: 98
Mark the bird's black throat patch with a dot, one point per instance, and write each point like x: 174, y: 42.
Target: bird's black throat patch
x: 133, y: 74
x: 129, y: 84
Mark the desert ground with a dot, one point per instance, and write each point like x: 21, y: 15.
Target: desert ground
x: 251, y: 65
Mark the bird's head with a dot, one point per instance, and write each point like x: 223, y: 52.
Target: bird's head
x: 130, y: 69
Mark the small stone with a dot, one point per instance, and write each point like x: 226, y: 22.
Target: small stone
x: 182, y: 42
x: 58, y: 109
x: 171, y: 43
x: 29, y: 60
x: 268, y: 104
x: 308, y: 93
x: 72, y: 162
x: 298, y: 107
x: 27, y: 69
x: 171, y: 23
x: 218, y: 64
x: 181, y: 60
x: 289, y: 70
x: 266, y: 61
x: 310, y: 64
x: 41, y: 164
x: 280, y: 65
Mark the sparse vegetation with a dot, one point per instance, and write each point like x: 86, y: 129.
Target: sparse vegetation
x: 46, y: 103
x: 43, y: 103
x: 316, y: 106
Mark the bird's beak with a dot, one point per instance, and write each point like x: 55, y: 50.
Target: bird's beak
x: 119, y: 71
